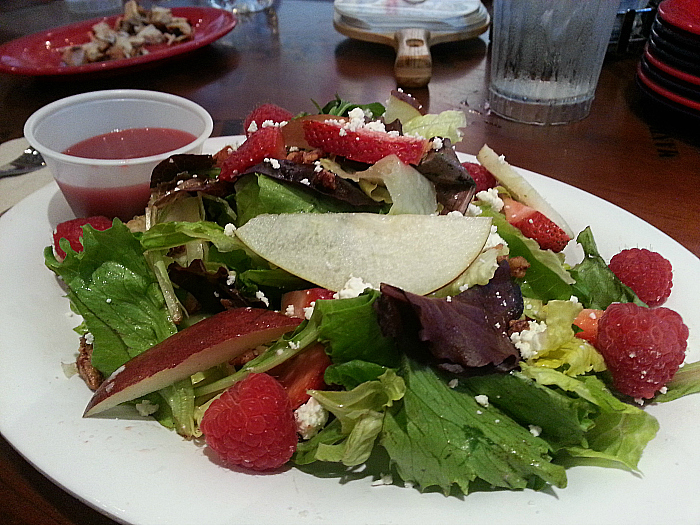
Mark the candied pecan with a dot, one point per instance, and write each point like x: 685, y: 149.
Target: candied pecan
x: 92, y: 377
x: 518, y: 266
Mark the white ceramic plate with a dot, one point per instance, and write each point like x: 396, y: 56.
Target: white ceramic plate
x: 141, y: 474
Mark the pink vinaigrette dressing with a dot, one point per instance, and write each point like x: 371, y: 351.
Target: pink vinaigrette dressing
x: 120, y: 201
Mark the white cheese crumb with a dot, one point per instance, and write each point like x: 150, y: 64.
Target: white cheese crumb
x: 289, y: 312
x: 494, y: 239
x: 109, y: 300
x: 273, y: 162
x: 453, y: 383
x: 230, y: 230
x: 482, y: 400
x: 294, y: 345
x: 261, y: 297
x: 535, y: 430
x: 231, y: 278
x: 352, y: 288
x: 310, y: 418
x: 386, y: 479
x: 305, y: 182
x: 491, y: 198
x: 529, y: 342
x: 253, y: 127
x: 146, y: 408
x: 309, y: 310
x: 437, y: 143
x: 473, y: 210
x: 89, y: 338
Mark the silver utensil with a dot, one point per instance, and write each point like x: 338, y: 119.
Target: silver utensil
x: 29, y: 160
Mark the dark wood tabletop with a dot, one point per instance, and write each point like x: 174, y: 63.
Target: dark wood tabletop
x: 629, y: 151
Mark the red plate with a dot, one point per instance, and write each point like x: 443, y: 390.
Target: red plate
x: 663, y: 66
x: 39, y: 54
x: 684, y: 14
x: 667, y: 94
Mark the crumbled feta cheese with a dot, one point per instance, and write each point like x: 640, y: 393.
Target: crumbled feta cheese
x: 494, y: 239
x: 491, y: 198
x: 273, y: 162
x: 310, y: 418
x: 353, y: 288
x: 437, y: 143
x: 529, y: 342
x: 386, y: 479
x: 146, y: 408
x: 535, y: 430
x: 356, y: 113
x: 289, y: 312
x: 482, y: 400
x: 231, y: 278
x: 453, y: 383
x: 89, y: 338
x: 473, y: 210
x: 261, y: 297
x: 109, y: 300
x: 455, y: 213
x: 318, y: 167
x: 309, y: 310
x: 305, y: 182
x: 253, y: 127
x: 294, y: 345
x: 230, y: 230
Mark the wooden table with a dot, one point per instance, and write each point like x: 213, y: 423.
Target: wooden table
x: 627, y: 151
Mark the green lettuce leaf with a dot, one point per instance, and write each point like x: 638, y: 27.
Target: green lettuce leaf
x: 620, y: 431
x: 439, y: 436
x: 686, y: 381
x: 446, y: 125
x: 115, y: 291
x: 596, y: 285
x: 360, y: 412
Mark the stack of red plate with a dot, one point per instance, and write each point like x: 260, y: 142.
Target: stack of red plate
x: 669, y: 70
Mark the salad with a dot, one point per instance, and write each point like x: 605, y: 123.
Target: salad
x: 383, y: 298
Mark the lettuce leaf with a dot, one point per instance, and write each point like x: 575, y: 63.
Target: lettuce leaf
x: 439, y: 436
x: 445, y: 124
x: 115, y: 291
x: 360, y: 413
x: 620, y: 431
x: 596, y: 285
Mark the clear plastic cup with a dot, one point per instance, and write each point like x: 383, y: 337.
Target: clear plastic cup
x: 111, y: 187
x: 546, y: 57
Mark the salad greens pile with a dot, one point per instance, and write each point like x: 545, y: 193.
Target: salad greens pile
x: 441, y: 427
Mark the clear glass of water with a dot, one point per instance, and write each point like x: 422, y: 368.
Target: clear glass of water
x: 546, y: 57
x: 242, y: 6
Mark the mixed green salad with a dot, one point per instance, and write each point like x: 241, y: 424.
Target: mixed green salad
x: 454, y: 424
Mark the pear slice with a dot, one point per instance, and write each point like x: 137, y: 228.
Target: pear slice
x: 210, y: 342
x: 417, y: 253
x: 518, y: 187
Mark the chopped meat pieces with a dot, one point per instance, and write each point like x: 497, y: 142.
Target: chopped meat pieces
x: 132, y: 32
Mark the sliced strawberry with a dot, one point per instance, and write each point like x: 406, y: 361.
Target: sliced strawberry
x: 303, y: 372
x: 587, y: 321
x: 267, y: 142
x: 362, y: 143
x: 535, y: 225
x: 263, y: 114
x: 484, y: 178
x: 73, y: 231
x: 294, y: 303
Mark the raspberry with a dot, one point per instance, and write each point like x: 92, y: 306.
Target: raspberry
x: 73, y: 231
x: 484, y: 178
x: 265, y: 143
x: 251, y: 424
x: 648, y: 273
x: 263, y: 113
x: 642, y: 347
x: 362, y: 144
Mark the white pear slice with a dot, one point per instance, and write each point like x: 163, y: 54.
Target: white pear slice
x: 518, y: 187
x: 418, y: 253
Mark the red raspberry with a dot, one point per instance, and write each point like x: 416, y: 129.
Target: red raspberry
x: 362, y: 144
x: 263, y: 113
x: 648, y: 273
x: 251, y: 424
x: 642, y: 347
x: 484, y: 178
x: 265, y: 143
x: 73, y: 231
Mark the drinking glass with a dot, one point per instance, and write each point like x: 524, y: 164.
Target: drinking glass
x: 546, y: 57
